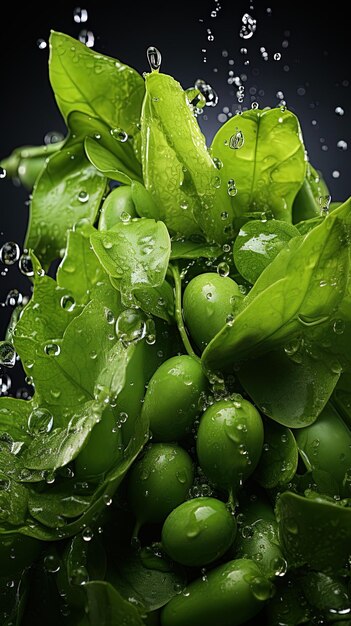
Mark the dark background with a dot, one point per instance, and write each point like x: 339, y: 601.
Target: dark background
x: 313, y: 74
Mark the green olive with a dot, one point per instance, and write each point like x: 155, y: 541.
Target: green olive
x: 228, y: 596
x: 229, y: 442
x: 209, y: 302
x: 159, y: 482
x: 198, y: 531
x: 118, y: 204
x: 172, y: 399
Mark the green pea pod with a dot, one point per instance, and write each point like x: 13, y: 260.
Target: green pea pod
x: 314, y: 531
x: 178, y: 171
x: 326, y: 446
x: 228, y: 596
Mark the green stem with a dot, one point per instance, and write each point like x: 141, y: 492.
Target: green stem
x: 178, y: 311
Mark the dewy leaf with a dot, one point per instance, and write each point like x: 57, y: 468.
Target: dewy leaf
x: 106, y: 607
x: 120, y: 145
x: 53, y: 450
x: 269, y: 168
x: 54, y: 506
x: 300, y: 289
x: 84, y: 80
x: 307, y: 204
x: 187, y: 187
x: 65, y: 358
x: 105, y: 161
x: 158, y: 301
x: 68, y: 189
x: 14, y: 415
x: 135, y: 253
x: 80, y: 270
x: 186, y: 249
x: 269, y: 379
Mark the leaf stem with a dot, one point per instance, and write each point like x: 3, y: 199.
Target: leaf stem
x: 178, y: 311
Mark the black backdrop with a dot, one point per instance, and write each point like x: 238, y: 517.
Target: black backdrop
x: 312, y: 74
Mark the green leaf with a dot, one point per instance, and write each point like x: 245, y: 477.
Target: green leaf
x: 308, y: 202
x: 135, y: 253
x: 14, y: 416
x: 143, y: 201
x: 83, y: 80
x: 178, y: 170
x: 307, y: 522
x: 269, y: 168
x: 278, y: 463
x: 105, y: 161
x: 65, y: 354
x: 147, y: 579
x: 53, y: 507
x: 258, y: 243
x: 68, y: 189
x: 158, y: 301
x: 106, y: 607
x: 187, y: 249
x: 270, y: 378
x: 79, y: 271
x: 300, y: 289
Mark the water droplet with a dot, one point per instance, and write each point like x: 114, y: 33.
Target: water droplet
x: 5, y: 383
x: 223, y: 269
x: 324, y: 203
x: 208, y: 92
x: 9, y: 253
x: 254, y: 105
x: 154, y: 58
x: 231, y: 188
x: 87, y: 37
x: 80, y: 15
x: 25, y: 265
x: 261, y: 588
x: 277, y: 56
x: 14, y: 298
x: 248, y: 26
x: 119, y: 134
x: 342, y: 144
x: 87, y: 534
x: 83, y: 196
x: 110, y: 318
x: 52, y: 563
x: 107, y: 499
x: 339, y: 327
x: 335, y: 174
x: 2, y: 172
x: 40, y: 421
x: 237, y: 140
x: 42, y: 44
x: 68, y: 303
x: 130, y: 326
x: 7, y: 354
x: 79, y: 576
x: 53, y: 136
x: 339, y: 111
x: 52, y: 349
x: 184, y: 205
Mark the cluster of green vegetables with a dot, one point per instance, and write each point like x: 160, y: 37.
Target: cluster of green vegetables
x: 186, y: 457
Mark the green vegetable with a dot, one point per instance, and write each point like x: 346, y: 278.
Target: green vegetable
x: 173, y: 397
x: 186, y: 439
x: 159, y: 481
x: 228, y: 596
x: 229, y: 442
x: 198, y: 531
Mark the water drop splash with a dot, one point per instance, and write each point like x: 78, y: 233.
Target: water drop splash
x: 339, y: 111
x: 211, y: 97
x: 154, y: 58
x: 237, y: 141
x: 42, y: 44
x: 248, y: 26
x: 277, y: 56
x: 87, y: 37
x: 342, y: 145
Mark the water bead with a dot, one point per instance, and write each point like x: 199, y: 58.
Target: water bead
x: 9, y: 253
x: 119, y: 134
x: 80, y: 15
x: 87, y: 37
x: 154, y: 58
x: 40, y: 421
x: 237, y: 140
x: 7, y: 354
